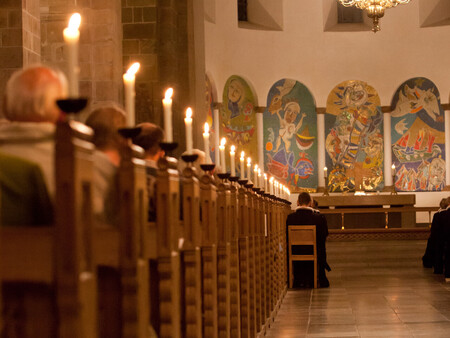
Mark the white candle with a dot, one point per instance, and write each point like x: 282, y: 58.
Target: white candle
x: 232, y: 155
x: 255, y: 176
x: 223, y: 164
x: 249, y: 167
x: 265, y: 183
x: 128, y: 81
x: 325, y: 172
x: 271, y: 185
x: 242, y: 159
x: 206, y: 143
x: 188, y: 124
x: 71, y: 37
x: 260, y: 179
x: 393, y: 170
x: 216, y: 137
x: 167, y: 106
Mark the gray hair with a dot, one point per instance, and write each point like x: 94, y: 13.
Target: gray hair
x: 31, y: 94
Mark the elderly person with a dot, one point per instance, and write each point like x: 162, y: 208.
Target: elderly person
x: 31, y: 110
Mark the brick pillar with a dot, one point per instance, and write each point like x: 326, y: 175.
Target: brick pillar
x: 100, y: 45
x: 19, y: 37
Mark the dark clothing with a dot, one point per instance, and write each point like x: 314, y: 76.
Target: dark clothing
x: 307, y: 216
x: 151, y: 189
x: 434, y: 252
x: 444, y: 221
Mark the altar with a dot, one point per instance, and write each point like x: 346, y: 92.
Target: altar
x: 331, y: 207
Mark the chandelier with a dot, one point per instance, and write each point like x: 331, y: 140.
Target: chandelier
x: 374, y: 8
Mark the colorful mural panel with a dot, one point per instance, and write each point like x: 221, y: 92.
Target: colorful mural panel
x: 418, y: 136
x: 354, y: 138
x: 238, y: 116
x: 290, y: 135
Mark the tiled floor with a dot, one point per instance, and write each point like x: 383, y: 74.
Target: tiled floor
x: 378, y: 289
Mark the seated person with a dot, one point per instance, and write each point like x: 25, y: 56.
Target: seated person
x: 305, y: 215
x: 105, y: 122
x: 434, y: 252
x: 30, y: 107
x: 149, y: 139
x: 24, y: 198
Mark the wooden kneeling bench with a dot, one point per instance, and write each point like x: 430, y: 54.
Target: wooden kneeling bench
x: 302, y: 235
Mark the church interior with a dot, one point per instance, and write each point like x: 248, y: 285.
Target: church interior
x: 254, y: 104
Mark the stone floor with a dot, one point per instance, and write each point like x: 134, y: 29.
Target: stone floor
x: 378, y: 289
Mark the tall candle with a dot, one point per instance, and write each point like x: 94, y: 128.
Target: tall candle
x: 242, y: 159
x: 232, y: 155
x: 260, y: 179
x: 265, y: 183
x: 71, y: 37
x: 255, y: 176
x: 188, y: 123
x: 216, y: 137
x: 271, y: 185
x: 128, y: 81
x: 249, y: 167
x: 167, y: 106
x: 325, y: 172
x: 223, y: 164
x: 393, y: 170
x: 206, y: 143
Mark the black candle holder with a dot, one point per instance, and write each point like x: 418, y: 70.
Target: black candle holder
x: 249, y: 185
x: 72, y: 105
x: 242, y: 182
x: 208, y: 168
x: 223, y: 176
x: 168, y: 147
x: 233, y: 178
x: 129, y: 132
x: 256, y: 190
x: 189, y: 158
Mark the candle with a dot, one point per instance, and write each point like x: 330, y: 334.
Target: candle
x: 255, y: 176
x: 260, y: 182
x: 242, y: 159
x: 232, y: 155
x: 275, y: 188
x: 188, y: 123
x: 223, y: 164
x: 249, y: 166
x: 393, y: 170
x: 128, y: 81
x: 265, y: 182
x: 216, y: 137
x: 71, y: 37
x: 167, y: 106
x: 206, y: 143
x: 271, y: 185
x: 325, y: 172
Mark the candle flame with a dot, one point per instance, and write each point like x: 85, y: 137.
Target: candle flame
x: 206, y: 128
x: 271, y: 179
x: 232, y: 149
x: 133, y: 68
x: 168, y: 94
x: 242, y: 154
x: 325, y: 168
x: 189, y: 113
x: 259, y: 171
x: 256, y: 167
x: 265, y: 176
x: 223, y: 141
x: 74, y: 21
x: 393, y: 166
x: 249, y: 161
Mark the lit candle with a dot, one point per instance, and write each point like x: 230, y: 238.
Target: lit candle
x: 275, y: 189
x: 71, y: 37
x: 393, y: 170
x: 255, y: 176
x: 242, y: 159
x: 232, y: 155
x: 325, y: 172
x: 206, y: 143
x: 223, y: 164
x: 216, y: 137
x: 260, y: 182
x: 188, y: 123
x: 271, y: 185
x: 128, y: 81
x: 249, y: 166
x: 265, y: 182
x: 167, y: 105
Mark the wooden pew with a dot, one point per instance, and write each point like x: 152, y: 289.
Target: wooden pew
x: 56, y: 261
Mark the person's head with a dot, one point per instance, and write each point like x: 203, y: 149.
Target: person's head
x: 105, y: 122
x: 149, y: 139
x: 444, y: 203
x: 31, y: 95
x: 304, y: 199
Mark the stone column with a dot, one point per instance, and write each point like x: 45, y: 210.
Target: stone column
x: 20, y: 37
x: 321, y: 149
x: 387, y: 150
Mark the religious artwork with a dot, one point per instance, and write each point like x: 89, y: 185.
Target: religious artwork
x: 209, y: 107
x: 290, y: 135
x: 238, y: 116
x: 354, y: 138
x: 418, y: 136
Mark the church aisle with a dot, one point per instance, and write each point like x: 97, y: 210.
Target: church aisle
x: 378, y: 289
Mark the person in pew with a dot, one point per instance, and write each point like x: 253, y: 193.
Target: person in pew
x: 305, y: 215
x: 24, y: 198
x: 149, y: 139
x: 105, y: 121
x: 433, y: 256
x: 31, y: 110
x: 445, y: 231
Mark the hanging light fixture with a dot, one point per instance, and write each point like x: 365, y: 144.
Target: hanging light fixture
x: 374, y: 8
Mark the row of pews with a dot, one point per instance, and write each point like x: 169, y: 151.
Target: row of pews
x: 217, y: 271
